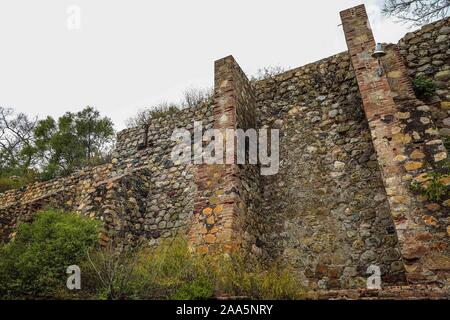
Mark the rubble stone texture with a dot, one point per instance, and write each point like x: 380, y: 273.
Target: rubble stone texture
x: 351, y: 143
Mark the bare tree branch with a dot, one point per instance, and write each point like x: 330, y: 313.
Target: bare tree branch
x: 417, y: 12
x: 16, y: 133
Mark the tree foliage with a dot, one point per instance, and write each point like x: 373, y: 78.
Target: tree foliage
x: 48, y: 148
x: 71, y: 142
x: 417, y: 12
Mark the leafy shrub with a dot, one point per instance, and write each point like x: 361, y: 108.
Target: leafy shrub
x: 423, y: 87
x: 433, y: 188
x: 146, y: 115
x: 109, y: 273
x: 34, y: 263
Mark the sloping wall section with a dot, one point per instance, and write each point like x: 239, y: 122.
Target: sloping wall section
x: 408, y: 147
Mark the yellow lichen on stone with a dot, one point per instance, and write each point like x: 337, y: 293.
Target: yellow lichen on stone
x: 422, y: 177
x: 395, y: 74
x: 210, y: 220
x: 207, y: 211
x: 202, y: 249
x: 213, y: 200
x: 445, y: 105
x: 402, y: 115
x: 214, y: 230
x: 414, y: 165
x: 417, y: 154
x: 445, y: 180
x: 218, y: 209
x: 401, y: 199
x: 433, y: 206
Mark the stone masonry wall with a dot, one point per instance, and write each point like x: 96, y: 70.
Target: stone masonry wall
x: 427, y: 52
x: 67, y: 193
x: 326, y: 210
x: 140, y: 194
x: 350, y: 146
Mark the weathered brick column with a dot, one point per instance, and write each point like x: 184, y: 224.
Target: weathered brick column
x: 407, y: 146
x: 220, y: 202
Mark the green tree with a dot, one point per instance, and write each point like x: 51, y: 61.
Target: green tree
x: 93, y: 131
x: 71, y: 142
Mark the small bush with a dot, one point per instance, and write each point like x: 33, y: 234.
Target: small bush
x: 9, y: 182
x: 267, y: 72
x: 201, y: 288
x: 145, y: 116
x: 34, y: 263
x: 192, y: 97
x: 433, y: 188
x: 423, y: 87
x: 240, y: 278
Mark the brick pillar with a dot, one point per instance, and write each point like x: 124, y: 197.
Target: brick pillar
x: 216, y: 223
x: 407, y: 146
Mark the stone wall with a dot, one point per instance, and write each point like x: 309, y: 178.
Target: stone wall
x: 226, y: 215
x: 67, y: 193
x: 326, y: 210
x: 140, y: 194
x: 427, y: 52
x: 351, y: 143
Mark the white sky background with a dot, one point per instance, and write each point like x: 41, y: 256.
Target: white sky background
x: 131, y: 54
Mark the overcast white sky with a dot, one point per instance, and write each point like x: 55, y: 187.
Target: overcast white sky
x: 135, y: 53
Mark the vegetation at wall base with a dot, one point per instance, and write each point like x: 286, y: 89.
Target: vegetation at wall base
x: 171, y: 271
x: 33, y: 266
